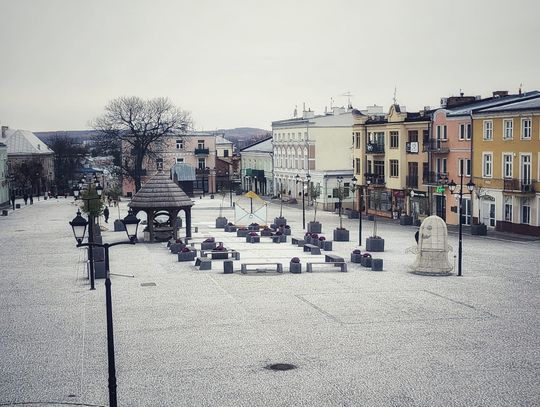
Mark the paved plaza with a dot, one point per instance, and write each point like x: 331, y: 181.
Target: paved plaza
x: 186, y: 337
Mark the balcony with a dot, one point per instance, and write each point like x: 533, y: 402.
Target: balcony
x: 202, y: 170
x: 412, y: 181
x: 436, y: 146
x: 375, y: 148
x: 434, y: 178
x: 202, y: 151
x: 525, y: 186
x: 378, y: 181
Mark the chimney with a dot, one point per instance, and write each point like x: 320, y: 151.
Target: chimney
x: 500, y: 93
x: 308, y: 114
x: 4, y: 131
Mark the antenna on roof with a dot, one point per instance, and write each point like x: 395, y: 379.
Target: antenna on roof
x: 304, y: 107
x: 520, y: 86
x: 331, y: 103
x: 348, y: 94
x: 395, y: 97
x: 295, y: 114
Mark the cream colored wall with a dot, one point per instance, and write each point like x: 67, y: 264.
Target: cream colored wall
x: 333, y: 148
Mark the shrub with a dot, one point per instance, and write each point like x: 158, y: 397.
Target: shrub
x: 178, y: 241
x: 321, y: 238
x: 356, y: 251
x: 278, y: 233
x: 287, y: 227
x: 230, y: 224
x: 254, y: 224
x: 242, y: 228
x: 295, y: 260
x: 210, y: 240
x: 185, y: 249
x: 253, y: 234
x: 366, y: 255
x: 220, y: 248
x: 314, y: 235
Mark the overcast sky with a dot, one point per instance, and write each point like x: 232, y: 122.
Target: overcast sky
x: 246, y: 63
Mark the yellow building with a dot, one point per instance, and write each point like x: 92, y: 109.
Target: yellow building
x: 506, y: 170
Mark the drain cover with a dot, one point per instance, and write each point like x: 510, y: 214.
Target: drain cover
x: 281, y: 366
x: 148, y: 284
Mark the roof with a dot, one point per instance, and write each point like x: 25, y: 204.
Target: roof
x: 25, y: 142
x: 160, y: 192
x: 183, y: 172
x: 262, y: 145
x: 469, y: 108
x: 530, y: 104
x: 222, y: 140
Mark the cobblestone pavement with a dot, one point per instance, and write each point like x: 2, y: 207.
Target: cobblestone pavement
x: 204, y: 338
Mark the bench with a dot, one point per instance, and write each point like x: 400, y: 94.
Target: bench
x: 244, y: 269
x: 234, y: 254
x: 332, y: 258
x: 312, y: 248
x: 298, y: 242
x: 341, y: 264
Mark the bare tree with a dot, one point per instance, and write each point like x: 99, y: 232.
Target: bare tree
x: 138, y: 128
x: 67, y: 156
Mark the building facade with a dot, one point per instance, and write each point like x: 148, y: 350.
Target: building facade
x: 319, y: 146
x: 506, y: 170
x: 257, y: 167
x: 4, y: 180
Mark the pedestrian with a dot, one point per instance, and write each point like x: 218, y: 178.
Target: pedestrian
x: 106, y: 214
x: 417, y: 235
x: 109, y: 199
x: 25, y: 199
x: 31, y: 199
x: 13, y: 199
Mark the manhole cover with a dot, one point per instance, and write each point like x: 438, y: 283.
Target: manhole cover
x: 148, y: 284
x: 281, y: 366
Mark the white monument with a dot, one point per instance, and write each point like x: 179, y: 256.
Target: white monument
x: 432, y: 248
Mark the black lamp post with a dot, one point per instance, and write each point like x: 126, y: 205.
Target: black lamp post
x: 131, y: 224
x: 359, y: 188
x: 340, y: 199
x: 452, y: 188
x: 76, y: 193
x: 303, y: 181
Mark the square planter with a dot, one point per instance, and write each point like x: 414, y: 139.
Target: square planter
x: 230, y: 228
x: 242, y: 233
x: 375, y: 244
x: 266, y: 232
x: 253, y: 239
x: 282, y: 238
x: 286, y: 231
x: 365, y: 261
x: 295, y: 268
x: 220, y: 256
x: 254, y: 228
x: 208, y: 245
x: 406, y: 220
x: 221, y: 222
x: 187, y: 256
x: 314, y: 227
x: 176, y: 247
x: 99, y: 269
x: 353, y: 215
x: 280, y: 221
x: 118, y: 226
x: 341, y: 235
x: 479, y: 230
x: 327, y: 245
x: 356, y: 258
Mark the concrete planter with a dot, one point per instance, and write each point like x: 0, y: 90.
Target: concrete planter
x: 208, y: 245
x: 221, y: 222
x: 326, y: 245
x: 479, y: 230
x: 281, y: 221
x: 314, y: 227
x: 365, y: 261
x: 230, y: 228
x: 176, y: 247
x: 186, y: 256
x: 353, y: 215
x: 99, y: 269
x: 266, y: 232
x: 295, y: 268
x: 254, y: 228
x: 406, y: 220
x: 286, y: 231
x: 375, y: 244
x: 242, y: 232
x: 119, y: 226
x: 356, y: 258
x: 341, y: 235
x: 253, y: 239
x: 219, y: 256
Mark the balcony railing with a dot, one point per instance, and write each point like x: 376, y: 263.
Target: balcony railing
x: 436, y: 146
x: 375, y: 148
x: 377, y: 180
x: 519, y: 185
x: 412, y: 181
x: 202, y: 171
x: 433, y: 178
x: 202, y: 151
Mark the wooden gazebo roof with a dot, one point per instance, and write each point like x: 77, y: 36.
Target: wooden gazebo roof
x: 160, y: 192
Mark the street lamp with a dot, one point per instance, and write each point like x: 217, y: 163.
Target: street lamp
x: 452, y: 187
x: 303, y: 181
x: 131, y: 223
x: 359, y: 188
x: 340, y: 199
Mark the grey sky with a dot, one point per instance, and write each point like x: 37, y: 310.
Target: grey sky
x: 246, y: 63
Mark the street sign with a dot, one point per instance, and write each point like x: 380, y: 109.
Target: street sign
x: 439, y: 190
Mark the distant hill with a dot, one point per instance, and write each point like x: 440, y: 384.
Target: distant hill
x: 80, y: 135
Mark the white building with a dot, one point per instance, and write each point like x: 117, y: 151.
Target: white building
x: 257, y: 166
x: 320, y: 146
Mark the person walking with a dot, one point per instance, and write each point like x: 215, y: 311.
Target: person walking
x: 25, y: 199
x: 13, y: 199
x: 106, y: 214
x: 31, y: 200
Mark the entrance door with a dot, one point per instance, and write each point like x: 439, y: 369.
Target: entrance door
x: 488, y: 213
x: 466, y: 212
x: 440, y: 202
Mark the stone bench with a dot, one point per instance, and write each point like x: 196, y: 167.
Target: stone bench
x: 332, y: 258
x: 244, y: 267
x: 233, y: 253
x: 297, y: 241
x: 312, y: 249
x: 341, y: 264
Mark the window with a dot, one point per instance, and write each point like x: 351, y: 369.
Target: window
x: 508, y: 129
x: 507, y: 165
x: 462, y: 128
x: 200, y: 143
x: 179, y: 144
x: 464, y: 163
x: 508, y: 210
x: 413, y: 136
x: 442, y: 132
x: 487, y: 165
x: 526, y: 128
x: 394, y: 168
x: 356, y: 140
x: 469, y: 132
x: 488, y: 130
x: 394, y: 139
x: 202, y: 164
x: 526, y: 212
x: 358, y: 168
x: 225, y: 153
x: 179, y: 160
